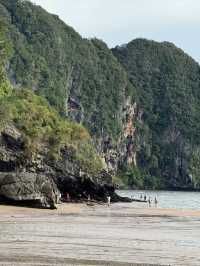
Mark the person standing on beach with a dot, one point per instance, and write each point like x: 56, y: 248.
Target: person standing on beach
x: 89, y: 199
x: 67, y: 197
x: 108, y: 198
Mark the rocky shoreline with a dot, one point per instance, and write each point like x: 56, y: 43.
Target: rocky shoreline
x: 39, y: 181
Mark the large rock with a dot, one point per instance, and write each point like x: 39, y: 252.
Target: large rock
x: 12, y: 137
x: 19, y: 180
x: 29, y: 188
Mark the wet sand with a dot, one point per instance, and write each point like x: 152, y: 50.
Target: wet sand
x: 70, y: 208
x: 76, y: 234
x: 75, y: 208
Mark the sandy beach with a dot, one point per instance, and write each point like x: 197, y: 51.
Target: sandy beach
x: 77, y: 234
x: 69, y: 208
x: 75, y: 208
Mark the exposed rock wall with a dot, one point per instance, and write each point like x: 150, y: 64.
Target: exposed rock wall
x: 124, y: 150
x: 38, y: 181
x: 80, y: 78
x: 20, y: 182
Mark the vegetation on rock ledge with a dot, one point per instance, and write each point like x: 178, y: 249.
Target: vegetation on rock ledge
x: 42, y: 127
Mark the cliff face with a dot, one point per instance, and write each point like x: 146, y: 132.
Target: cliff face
x: 18, y: 182
x: 80, y: 78
x: 167, y: 83
x: 42, y: 155
x: 140, y: 102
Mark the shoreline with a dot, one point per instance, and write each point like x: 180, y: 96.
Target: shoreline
x: 77, y: 208
x: 69, y: 208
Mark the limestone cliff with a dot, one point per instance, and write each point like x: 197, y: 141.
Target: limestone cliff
x: 140, y: 102
x: 167, y: 82
x: 80, y: 78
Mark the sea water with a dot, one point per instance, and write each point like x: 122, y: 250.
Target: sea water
x: 167, y: 199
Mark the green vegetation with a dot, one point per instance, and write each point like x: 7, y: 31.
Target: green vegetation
x: 42, y: 127
x: 53, y: 60
x: 167, y: 83
x: 137, y: 178
x: 5, y: 87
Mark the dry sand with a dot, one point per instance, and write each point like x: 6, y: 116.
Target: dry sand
x: 10, y: 213
x: 67, y: 208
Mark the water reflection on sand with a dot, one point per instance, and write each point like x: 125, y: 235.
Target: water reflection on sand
x: 120, y: 233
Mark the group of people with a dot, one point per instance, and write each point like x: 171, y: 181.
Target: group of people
x: 67, y: 198
x: 150, y: 201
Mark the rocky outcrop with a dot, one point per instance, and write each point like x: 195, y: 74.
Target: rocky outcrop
x: 29, y: 189
x: 123, y: 151
x: 18, y: 182
x: 38, y: 181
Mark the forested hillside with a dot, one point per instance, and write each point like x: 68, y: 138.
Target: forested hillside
x: 80, y: 78
x: 52, y: 59
x: 41, y: 124
x: 140, y: 102
x: 41, y: 153
x: 168, y: 88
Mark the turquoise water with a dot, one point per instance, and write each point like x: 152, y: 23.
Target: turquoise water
x: 167, y: 199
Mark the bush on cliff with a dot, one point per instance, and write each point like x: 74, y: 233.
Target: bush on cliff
x: 42, y: 127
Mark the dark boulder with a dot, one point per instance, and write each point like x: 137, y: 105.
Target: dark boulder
x: 19, y: 181
x: 29, y: 188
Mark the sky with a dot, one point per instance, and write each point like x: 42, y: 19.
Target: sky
x: 119, y: 21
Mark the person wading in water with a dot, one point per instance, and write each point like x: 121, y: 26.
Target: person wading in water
x: 149, y: 201
x: 155, y: 202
